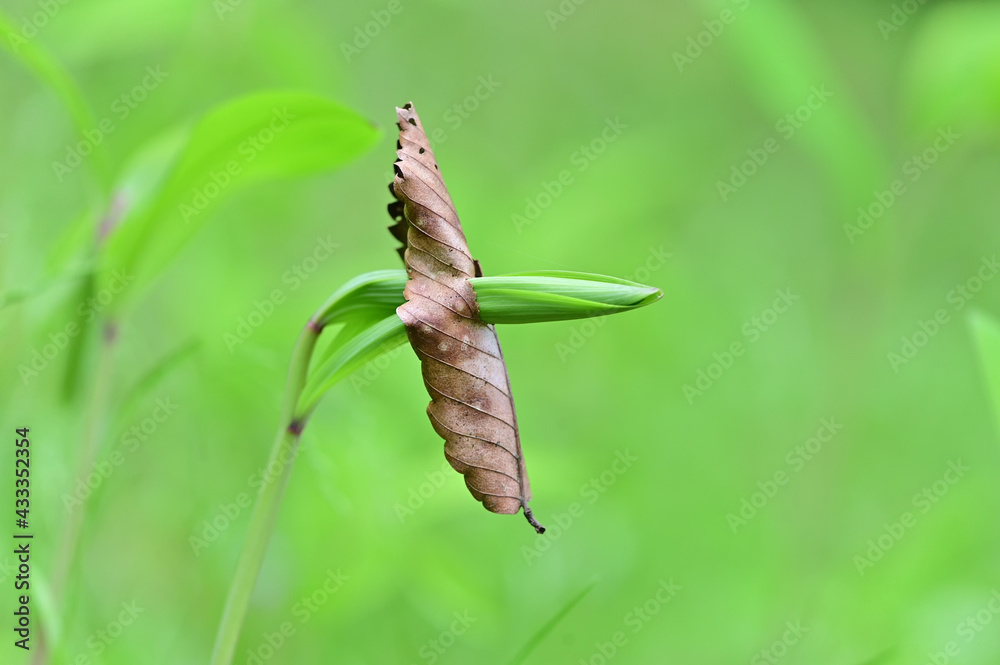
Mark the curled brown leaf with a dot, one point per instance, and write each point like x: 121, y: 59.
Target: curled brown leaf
x: 463, y: 367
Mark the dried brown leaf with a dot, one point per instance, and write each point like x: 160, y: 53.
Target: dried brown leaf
x: 463, y: 367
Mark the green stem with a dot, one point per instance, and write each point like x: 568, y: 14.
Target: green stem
x: 265, y: 512
x: 69, y: 540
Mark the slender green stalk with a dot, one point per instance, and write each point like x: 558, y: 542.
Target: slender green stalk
x: 265, y: 512
x: 69, y: 540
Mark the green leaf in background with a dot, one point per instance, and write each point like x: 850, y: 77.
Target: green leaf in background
x: 37, y: 59
x: 986, y: 332
x: 782, y: 74
x: 145, y: 172
x: 953, y: 71
x: 261, y: 136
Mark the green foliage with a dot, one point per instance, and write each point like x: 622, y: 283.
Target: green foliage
x: 536, y: 186
x: 48, y: 69
x: 257, y: 137
x: 363, y: 312
x: 953, y: 76
x: 557, y: 295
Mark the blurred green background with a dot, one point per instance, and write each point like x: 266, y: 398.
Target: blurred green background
x: 746, y: 137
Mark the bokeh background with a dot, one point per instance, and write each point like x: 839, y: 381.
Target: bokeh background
x: 864, y: 547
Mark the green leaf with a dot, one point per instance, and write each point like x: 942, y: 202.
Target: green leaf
x: 952, y: 72
x: 359, y: 304
x: 147, y: 169
x: 45, y: 66
x: 372, y: 295
x: 258, y: 137
x: 527, y: 297
x: 364, y: 313
x: 556, y: 295
x: 71, y: 251
x: 782, y: 59
x: 358, y: 349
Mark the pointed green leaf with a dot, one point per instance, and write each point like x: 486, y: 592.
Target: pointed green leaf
x: 261, y: 136
x: 373, y: 294
x: 363, y: 312
x: 359, y: 349
x: 556, y: 295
